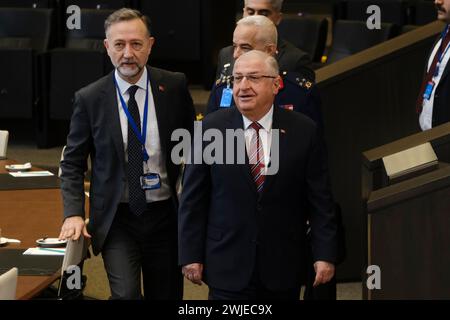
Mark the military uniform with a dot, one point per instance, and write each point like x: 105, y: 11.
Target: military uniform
x: 296, y: 94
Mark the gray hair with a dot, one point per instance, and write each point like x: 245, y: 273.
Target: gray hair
x: 126, y: 14
x: 267, y: 31
x: 269, y: 60
x: 275, y: 4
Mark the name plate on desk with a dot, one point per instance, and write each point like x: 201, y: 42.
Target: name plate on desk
x: 410, y: 162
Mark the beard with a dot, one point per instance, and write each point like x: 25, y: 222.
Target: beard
x: 129, y: 69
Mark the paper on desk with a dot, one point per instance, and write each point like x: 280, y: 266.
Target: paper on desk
x: 45, y: 251
x: 31, y: 174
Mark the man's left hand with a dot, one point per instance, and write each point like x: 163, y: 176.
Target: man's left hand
x: 324, y: 272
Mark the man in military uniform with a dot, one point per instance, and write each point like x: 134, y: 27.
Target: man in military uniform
x: 289, y: 57
x: 296, y: 93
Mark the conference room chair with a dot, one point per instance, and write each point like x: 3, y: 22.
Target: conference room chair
x: 81, y: 61
x: 350, y: 37
x: 99, y: 4
x: 24, y: 33
x: 425, y: 12
x: 392, y: 11
x: 8, y: 284
x: 4, y: 135
x: 307, y: 34
x: 27, y: 3
x: 76, y: 253
x: 408, y: 28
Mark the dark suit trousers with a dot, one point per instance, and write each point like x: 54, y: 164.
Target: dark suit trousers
x: 146, y: 243
x: 255, y: 290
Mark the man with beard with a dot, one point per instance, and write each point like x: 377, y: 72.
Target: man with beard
x: 124, y: 123
x: 433, y: 103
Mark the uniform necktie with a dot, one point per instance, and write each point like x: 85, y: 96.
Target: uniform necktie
x: 137, y: 201
x: 256, y: 157
x: 430, y: 74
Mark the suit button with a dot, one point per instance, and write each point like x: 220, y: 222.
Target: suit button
x: 255, y: 241
x: 259, y: 207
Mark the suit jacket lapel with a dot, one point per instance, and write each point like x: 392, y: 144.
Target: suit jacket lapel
x: 110, y: 106
x: 159, y: 98
x: 277, y: 123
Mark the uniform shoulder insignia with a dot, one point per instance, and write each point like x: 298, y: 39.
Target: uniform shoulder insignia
x: 304, y: 83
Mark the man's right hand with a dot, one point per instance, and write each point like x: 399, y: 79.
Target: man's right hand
x: 193, y: 272
x: 72, y: 228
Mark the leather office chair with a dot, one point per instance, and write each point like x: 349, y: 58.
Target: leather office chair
x: 308, y: 34
x: 26, y: 4
x: 408, y: 28
x: 23, y: 34
x: 425, y: 12
x: 99, y: 4
x: 350, y: 37
x: 8, y: 284
x: 392, y: 11
x: 81, y: 60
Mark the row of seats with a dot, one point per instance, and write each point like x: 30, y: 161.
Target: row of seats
x: 349, y: 36
x: 48, y: 77
x: 400, y: 12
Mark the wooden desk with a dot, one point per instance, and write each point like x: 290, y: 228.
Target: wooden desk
x: 28, y: 215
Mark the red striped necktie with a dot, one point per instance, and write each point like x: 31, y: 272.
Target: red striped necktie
x: 256, y: 157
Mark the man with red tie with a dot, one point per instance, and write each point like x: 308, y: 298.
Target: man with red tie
x: 242, y: 226
x: 433, y: 103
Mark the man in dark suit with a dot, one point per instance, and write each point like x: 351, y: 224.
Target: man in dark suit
x: 296, y: 93
x: 433, y: 104
x: 289, y: 57
x: 124, y: 123
x: 242, y: 225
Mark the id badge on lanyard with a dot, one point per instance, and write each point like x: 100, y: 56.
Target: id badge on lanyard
x: 149, y: 180
x: 441, y: 53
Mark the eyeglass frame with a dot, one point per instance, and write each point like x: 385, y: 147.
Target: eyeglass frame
x: 252, y: 78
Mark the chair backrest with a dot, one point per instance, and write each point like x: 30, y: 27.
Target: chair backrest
x: 425, y: 12
x: 99, y: 4
x: 308, y: 34
x: 392, y: 11
x: 27, y: 3
x: 350, y: 37
x: 26, y: 28
x: 3, y: 143
x: 92, y: 32
x: 76, y: 251
x: 8, y: 284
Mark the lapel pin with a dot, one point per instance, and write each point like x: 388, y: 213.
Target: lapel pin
x: 161, y: 88
x: 283, y: 131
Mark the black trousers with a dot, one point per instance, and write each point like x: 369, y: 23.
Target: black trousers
x: 146, y: 243
x: 255, y: 290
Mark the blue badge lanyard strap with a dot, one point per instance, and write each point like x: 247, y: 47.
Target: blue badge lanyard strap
x: 441, y: 54
x: 131, y: 121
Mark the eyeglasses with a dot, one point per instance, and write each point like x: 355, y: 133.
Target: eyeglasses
x: 253, y: 78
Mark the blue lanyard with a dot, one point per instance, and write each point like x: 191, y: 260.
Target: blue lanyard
x: 441, y: 54
x: 131, y: 120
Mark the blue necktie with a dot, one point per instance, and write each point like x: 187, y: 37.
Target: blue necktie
x: 137, y: 201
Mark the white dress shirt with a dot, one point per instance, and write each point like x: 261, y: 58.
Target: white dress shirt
x: 426, y: 116
x: 265, y: 133
x: 156, y: 162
